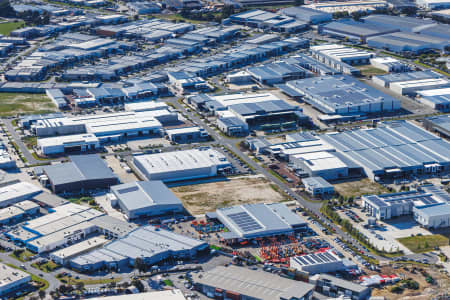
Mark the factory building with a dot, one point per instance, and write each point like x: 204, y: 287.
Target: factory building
x: 389, y: 64
x: 232, y: 125
x: 320, y: 164
x: 57, y: 126
x: 18, y: 212
x: 145, y: 106
x: 396, y: 149
x: 63, y: 256
x: 307, y: 15
x: 234, y: 282
x: 11, y: 280
x: 407, y: 42
x: 277, y: 72
x: 333, y: 52
x: 438, y: 99
x: 321, y: 262
x: 16, y: 191
x: 182, y: 165
x: 149, y: 243
x: 172, y: 294
x: 250, y: 221
x: 68, y: 144
x: 66, y: 224
x: 145, y: 198
x: 335, y: 287
x: 343, y: 95
x: 186, y: 135
x: 83, y: 172
x: 406, y: 24
x: 317, y: 186
x: 354, y: 30
x: 388, y: 206
x: 433, y: 217
x: 388, y: 79
x: 439, y: 125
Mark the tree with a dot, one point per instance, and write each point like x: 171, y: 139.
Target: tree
x: 79, y: 286
x: 299, y: 2
x: 139, y: 264
x: 6, y: 9
x: 42, y: 294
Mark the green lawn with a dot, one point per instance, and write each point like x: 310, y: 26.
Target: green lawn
x: 22, y: 256
x: 48, y: 267
x: 371, y: 71
x: 168, y: 282
x: 73, y: 281
x: 24, y: 103
x: 7, y: 27
x: 424, y: 243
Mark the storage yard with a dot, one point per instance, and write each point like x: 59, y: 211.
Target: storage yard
x: 204, y: 197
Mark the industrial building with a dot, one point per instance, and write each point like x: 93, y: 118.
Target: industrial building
x: 396, y: 149
x: 145, y: 106
x: 389, y: 64
x: 438, y: 99
x: 82, y: 173
x: 17, y: 191
x: 234, y: 282
x: 320, y: 262
x: 145, y: 198
x: 251, y: 221
x: 319, y: 164
x: 184, y: 135
x: 407, y: 42
x: 335, y: 287
x: 268, y: 20
x: 68, y: 144
x: 329, y: 53
x: 11, y: 280
x: 307, y: 15
x: 343, y: 95
x: 182, y: 165
x: 18, y: 211
x: 354, y: 30
x: 172, y: 294
x: 410, y: 83
x: 277, y: 72
x: 317, y: 186
x: 426, y: 203
x: 439, y: 125
x: 151, y: 244
x: 388, y: 79
x: 433, y: 4
x: 232, y: 125
x: 63, y: 256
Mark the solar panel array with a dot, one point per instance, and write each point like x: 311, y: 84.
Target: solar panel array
x: 317, y: 258
x: 244, y: 221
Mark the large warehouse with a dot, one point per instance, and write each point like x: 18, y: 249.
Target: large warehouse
x: 182, y: 165
x: 242, y: 283
x: 440, y: 125
x: 308, y: 15
x: 149, y: 243
x: 83, y: 172
x: 251, y: 221
x: 17, y: 191
x: 321, y: 262
x: 354, y: 30
x: 343, y: 95
x: 438, y: 99
x: 430, y: 206
x: 12, y: 279
x: 68, y: 143
x: 396, y: 149
x: 145, y: 198
x: 388, y: 79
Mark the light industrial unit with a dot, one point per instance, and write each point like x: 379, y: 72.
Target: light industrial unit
x: 182, y: 165
x: 145, y: 198
x: 251, y: 221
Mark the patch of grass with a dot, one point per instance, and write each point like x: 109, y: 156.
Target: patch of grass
x: 423, y: 243
x: 7, y: 27
x: 41, y: 281
x: 275, y: 174
x: 371, y: 71
x: 214, y: 247
x: 47, y: 267
x: 168, y: 282
x: 73, y: 281
x: 37, y: 157
x: 25, y: 103
x: 22, y: 255
x: 358, y: 188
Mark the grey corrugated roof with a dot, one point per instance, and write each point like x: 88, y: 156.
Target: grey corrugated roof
x: 141, y: 194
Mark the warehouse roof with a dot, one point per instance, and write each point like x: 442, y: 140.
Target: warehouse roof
x: 435, y: 210
x: 114, y: 225
x: 172, y: 294
x: 316, y: 182
x: 261, y: 108
x: 406, y: 76
x: 255, y: 284
x: 251, y: 220
x: 317, y: 258
x: 81, y: 167
x: 10, y: 275
x: 67, y: 139
x: 397, y: 144
x: 356, y: 28
x: 143, y: 194
x: 17, y: 190
x: 401, y: 23
x: 81, y: 247
x: 348, y: 285
x: 304, y: 13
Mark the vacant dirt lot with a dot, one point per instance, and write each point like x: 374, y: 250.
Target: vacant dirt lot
x: 201, y: 198
x: 357, y: 188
